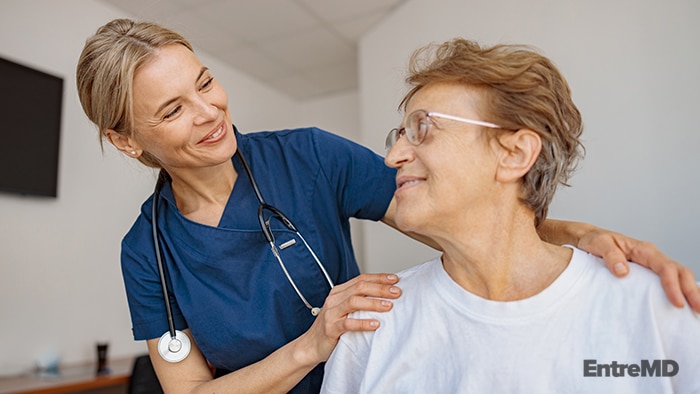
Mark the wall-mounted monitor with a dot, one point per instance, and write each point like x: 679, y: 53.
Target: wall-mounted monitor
x: 30, y: 130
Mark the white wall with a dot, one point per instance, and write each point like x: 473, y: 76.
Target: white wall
x: 60, y: 281
x: 633, y: 67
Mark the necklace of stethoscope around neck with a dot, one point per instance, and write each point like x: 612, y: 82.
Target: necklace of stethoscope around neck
x: 174, y: 345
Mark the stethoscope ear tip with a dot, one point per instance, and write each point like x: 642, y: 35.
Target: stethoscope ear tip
x: 174, y: 349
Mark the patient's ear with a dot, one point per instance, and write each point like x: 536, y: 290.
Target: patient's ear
x: 518, y: 153
x: 124, y: 143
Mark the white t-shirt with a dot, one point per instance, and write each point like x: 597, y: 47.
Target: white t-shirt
x: 587, y: 332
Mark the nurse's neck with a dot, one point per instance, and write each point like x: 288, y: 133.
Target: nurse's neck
x: 201, y: 194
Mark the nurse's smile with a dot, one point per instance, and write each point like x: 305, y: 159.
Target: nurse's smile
x: 215, y: 136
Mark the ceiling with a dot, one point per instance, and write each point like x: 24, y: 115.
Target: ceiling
x: 303, y: 48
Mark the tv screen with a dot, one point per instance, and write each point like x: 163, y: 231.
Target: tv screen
x: 30, y: 128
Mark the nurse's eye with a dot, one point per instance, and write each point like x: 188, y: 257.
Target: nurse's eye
x: 208, y: 83
x: 172, y: 112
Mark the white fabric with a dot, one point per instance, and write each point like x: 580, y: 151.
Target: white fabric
x: 440, y: 338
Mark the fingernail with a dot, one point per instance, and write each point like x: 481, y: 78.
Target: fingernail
x: 374, y: 324
x: 386, y: 303
x: 620, y: 268
x: 392, y: 277
x: 394, y: 290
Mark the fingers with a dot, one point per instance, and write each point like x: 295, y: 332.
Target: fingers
x: 616, y: 262
x: 389, y: 279
x: 648, y: 255
x: 670, y: 281
x: 367, y: 292
x: 690, y: 288
x: 358, y: 325
x: 369, y: 285
x: 676, y: 279
x: 612, y: 247
x: 336, y: 327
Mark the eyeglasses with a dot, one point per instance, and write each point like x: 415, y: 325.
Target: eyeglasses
x: 418, y: 123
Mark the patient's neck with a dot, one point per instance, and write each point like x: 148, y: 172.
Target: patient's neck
x: 503, y: 261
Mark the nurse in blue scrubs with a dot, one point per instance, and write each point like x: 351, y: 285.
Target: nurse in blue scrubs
x: 150, y: 96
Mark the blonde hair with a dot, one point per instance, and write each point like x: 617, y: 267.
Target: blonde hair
x: 521, y: 89
x: 106, y: 69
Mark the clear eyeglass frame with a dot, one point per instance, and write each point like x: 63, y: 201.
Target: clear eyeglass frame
x: 418, y: 124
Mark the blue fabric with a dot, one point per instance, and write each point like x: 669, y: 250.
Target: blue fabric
x: 224, y: 282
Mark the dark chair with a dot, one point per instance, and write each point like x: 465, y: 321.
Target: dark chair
x: 143, y: 377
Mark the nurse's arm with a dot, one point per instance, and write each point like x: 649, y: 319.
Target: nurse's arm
x: 389, y: 219
x: 284, y: 368
x: 276, y: 373
x: 616, y: 250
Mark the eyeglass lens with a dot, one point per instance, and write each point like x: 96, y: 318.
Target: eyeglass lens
x: 417, y: 125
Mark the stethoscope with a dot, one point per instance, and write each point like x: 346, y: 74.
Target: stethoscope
x: 174, y: 345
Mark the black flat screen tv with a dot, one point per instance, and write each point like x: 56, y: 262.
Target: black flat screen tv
x: 30, y: 130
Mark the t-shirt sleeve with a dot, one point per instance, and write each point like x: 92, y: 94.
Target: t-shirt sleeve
x: 679, y: 332
x: 364, y: 184
x: 345, y: 368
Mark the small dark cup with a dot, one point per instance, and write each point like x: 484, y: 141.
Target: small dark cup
x: 102, y: 358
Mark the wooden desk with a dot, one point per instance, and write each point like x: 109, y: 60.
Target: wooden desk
x: 71, y: 379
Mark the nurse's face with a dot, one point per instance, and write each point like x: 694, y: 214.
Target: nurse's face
x: 181, y: 112
x: 450, y: 174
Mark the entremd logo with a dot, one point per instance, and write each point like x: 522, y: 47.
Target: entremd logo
x: 657, y: 368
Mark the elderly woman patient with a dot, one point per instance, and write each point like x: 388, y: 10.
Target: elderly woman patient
x: 488, y: 135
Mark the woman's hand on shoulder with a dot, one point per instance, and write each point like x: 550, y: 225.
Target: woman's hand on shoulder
x: 617, y: 249
x: 367, y: 292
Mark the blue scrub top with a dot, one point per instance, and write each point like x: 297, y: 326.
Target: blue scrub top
x: 224, y: 282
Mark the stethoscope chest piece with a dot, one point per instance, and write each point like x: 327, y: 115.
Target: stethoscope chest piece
x: 174, y: 349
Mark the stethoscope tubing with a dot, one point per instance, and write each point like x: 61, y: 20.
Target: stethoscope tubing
x: 265, y: 228
x: 159, y: 258
x: 175, y: 345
